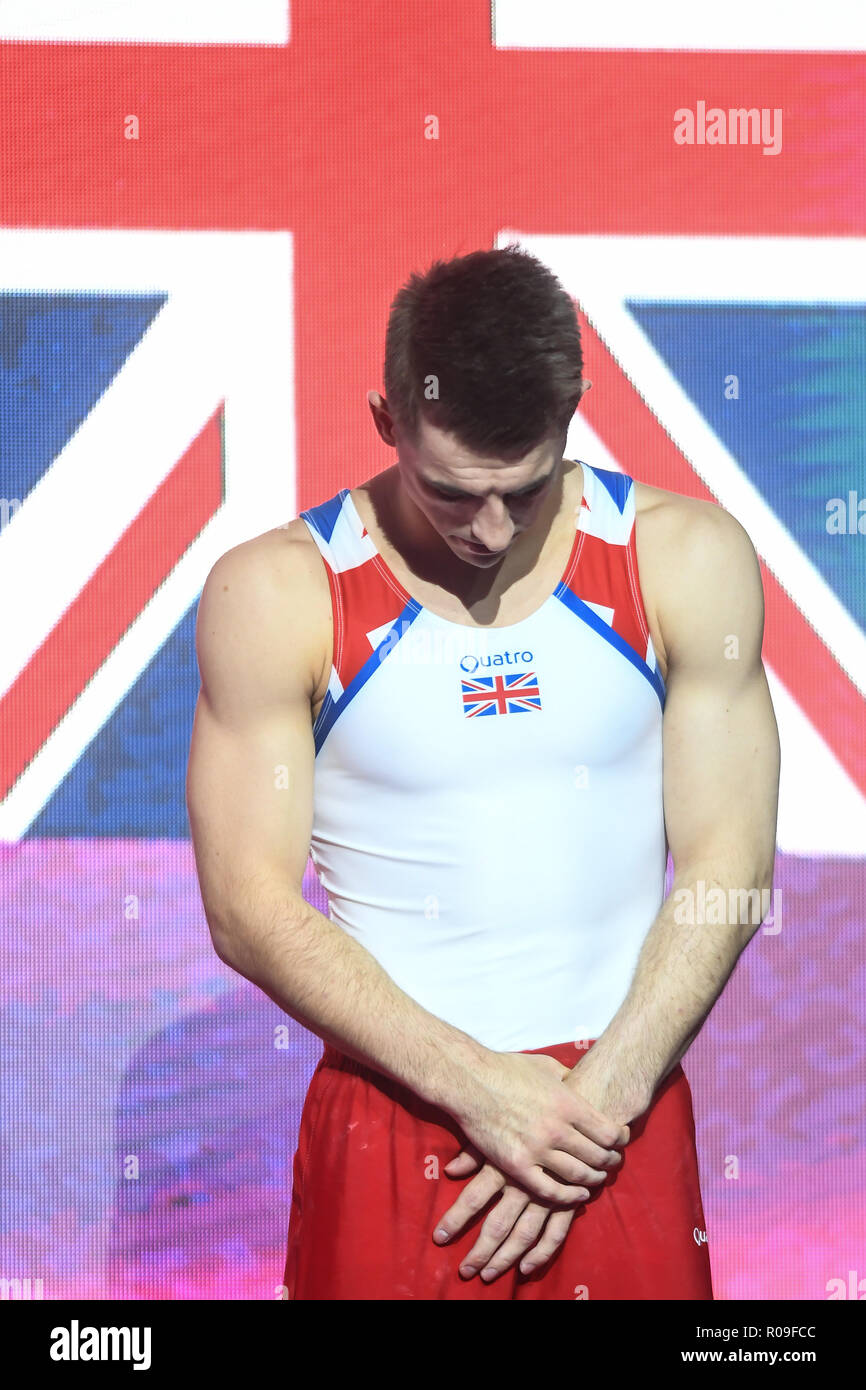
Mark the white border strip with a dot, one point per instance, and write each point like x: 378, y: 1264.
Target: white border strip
x: 738, y: 26
x: 147, y: 21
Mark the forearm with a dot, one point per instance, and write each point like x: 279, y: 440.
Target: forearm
x: 333, y: 986
x: 682, y: 969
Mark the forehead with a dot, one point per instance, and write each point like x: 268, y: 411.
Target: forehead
x: 443, y: 459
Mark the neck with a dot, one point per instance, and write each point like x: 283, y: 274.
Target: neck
x: 431, y: 558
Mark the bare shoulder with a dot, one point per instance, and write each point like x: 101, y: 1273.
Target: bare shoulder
x: 694, y: 558
x: 684, y: 528
x: 264, y: 618
x: 281, y: 566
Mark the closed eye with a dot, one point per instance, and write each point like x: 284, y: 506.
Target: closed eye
x: 468, y: 497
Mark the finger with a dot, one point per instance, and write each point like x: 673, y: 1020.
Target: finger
x: 472, y: 1150
x: 461, y: 1166
x: 592, y: 1124
x: 498, y: 1226
x: 472, y: 1199
x: 507, y: 1250
x: 547, y: 1189
x: 576, y: 1145
x: 553, y: 1235
x: 573, y: 1140
x: 564, y: 1166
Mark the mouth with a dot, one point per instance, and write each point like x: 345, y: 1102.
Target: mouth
x: 477, y: 549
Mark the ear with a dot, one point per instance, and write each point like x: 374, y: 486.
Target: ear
x: 584, y: 387
x: 381, y: 417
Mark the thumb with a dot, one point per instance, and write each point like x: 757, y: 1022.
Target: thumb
x: 462, y: 1165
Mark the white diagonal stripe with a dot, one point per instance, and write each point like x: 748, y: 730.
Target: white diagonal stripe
x: 603, y: 272
x: 225, y: 333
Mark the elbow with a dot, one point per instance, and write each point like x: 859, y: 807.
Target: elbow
x: 223, y: 940
x: 222, y: 925
x: 771, y: 905
x: 242, y: 925
x: 764, y: 877
x: 756, y: 904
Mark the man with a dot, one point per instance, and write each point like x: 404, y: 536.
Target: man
x: 487, y: 690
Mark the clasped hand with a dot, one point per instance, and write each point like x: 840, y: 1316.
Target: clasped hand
x: 520, y: 1225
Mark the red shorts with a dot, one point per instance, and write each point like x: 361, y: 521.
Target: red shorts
x: 367, y: 1194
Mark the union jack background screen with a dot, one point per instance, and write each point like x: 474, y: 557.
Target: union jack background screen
x: 205, y: 211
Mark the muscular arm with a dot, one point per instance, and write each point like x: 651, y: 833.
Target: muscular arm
x: 260, y: 634
x: 721, y: 774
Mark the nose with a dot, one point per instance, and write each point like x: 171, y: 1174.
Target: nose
x: 492, y: 526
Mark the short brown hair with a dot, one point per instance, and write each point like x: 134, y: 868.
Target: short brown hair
x: 498, y: 335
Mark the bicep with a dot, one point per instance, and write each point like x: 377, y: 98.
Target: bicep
x: 251, y: 759
x: 721, y: 748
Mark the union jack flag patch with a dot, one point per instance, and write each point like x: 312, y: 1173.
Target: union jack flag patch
x: 501, y: 694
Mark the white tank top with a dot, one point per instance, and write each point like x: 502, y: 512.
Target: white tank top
x: 488, y: 818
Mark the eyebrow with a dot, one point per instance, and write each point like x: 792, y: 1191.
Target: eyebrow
x: 518, y: 492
